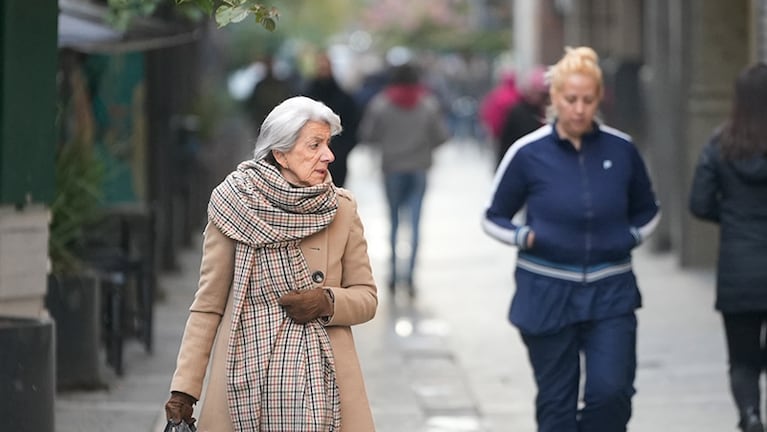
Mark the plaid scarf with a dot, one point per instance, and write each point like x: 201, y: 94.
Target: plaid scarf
x: 280, y: 374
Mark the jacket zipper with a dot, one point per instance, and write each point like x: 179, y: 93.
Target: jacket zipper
x: 588, y: 204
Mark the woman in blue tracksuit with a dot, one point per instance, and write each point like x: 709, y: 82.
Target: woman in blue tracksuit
x: 575, y: 198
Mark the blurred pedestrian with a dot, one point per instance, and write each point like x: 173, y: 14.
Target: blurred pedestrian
x: 285, y: 273
x: 528, y: 114
x: 268, y: 92
x: 730, y: 188
x: 404, y: 121
x: 326, y: 89
x: 372, y: 83
x: 496, y: 104
x: 586, y: 201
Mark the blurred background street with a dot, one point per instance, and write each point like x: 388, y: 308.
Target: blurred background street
x: 118, y: 117
x: 449, y: 361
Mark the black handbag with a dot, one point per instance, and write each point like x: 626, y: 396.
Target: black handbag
x: 181, y: 427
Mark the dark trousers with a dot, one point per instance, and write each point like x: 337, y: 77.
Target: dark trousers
x: 608, y: 348
x: 747, y: 357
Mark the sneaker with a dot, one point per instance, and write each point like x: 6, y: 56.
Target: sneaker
x: 752, y: 423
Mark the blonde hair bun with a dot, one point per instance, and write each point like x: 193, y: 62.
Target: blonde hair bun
x: 580, y: 60
x: 582, y: 53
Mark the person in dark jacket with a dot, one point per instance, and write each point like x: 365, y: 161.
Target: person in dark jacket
x: 730, y: 188
x: 269, y: 92
x: 326, y: 89
x: 585, y: 201
x: 526, y: 115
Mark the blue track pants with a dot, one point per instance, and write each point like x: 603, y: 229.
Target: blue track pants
x: 608, y: 350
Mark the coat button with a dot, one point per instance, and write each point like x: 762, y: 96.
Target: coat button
x: 318, y: 276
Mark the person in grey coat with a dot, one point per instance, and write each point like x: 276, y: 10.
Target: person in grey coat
x: 404, y: 121
x: 730, y: 188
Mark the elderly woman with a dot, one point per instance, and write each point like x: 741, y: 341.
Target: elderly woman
x: 285, y: 273
x: 587, y: 201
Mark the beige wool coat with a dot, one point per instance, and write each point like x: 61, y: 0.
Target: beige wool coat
x: 339, y: 252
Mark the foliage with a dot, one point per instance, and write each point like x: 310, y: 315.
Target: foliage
x: 121, y: 12
x: 316, y: 21
x: 77, y: 203
x: 406, y: 16
x: 225, y: 12
x: 234, y: 11
x: 440, y: 25
x: 444, y: 39
x: 247, y: 42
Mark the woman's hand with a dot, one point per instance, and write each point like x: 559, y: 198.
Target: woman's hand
x: 179, y: 407
x: 530, y: 239
x: 307, y: 305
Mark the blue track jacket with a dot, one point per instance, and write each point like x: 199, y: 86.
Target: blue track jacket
x: 588, y: 210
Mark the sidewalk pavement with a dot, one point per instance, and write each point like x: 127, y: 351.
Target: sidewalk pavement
x: 449, y: 361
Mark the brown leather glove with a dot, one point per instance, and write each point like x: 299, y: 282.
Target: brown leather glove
x: 307, y: 305
x: 179, y: 407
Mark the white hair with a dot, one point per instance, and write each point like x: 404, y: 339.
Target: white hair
x: 281, y: 128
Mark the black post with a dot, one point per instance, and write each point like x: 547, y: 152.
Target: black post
x: 27, y: 374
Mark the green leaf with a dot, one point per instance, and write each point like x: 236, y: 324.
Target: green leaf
x: 269, y: 24
x: 267, y: 17
x: 226, y: 15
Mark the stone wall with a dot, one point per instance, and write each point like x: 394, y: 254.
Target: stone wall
x: 23, y: 261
